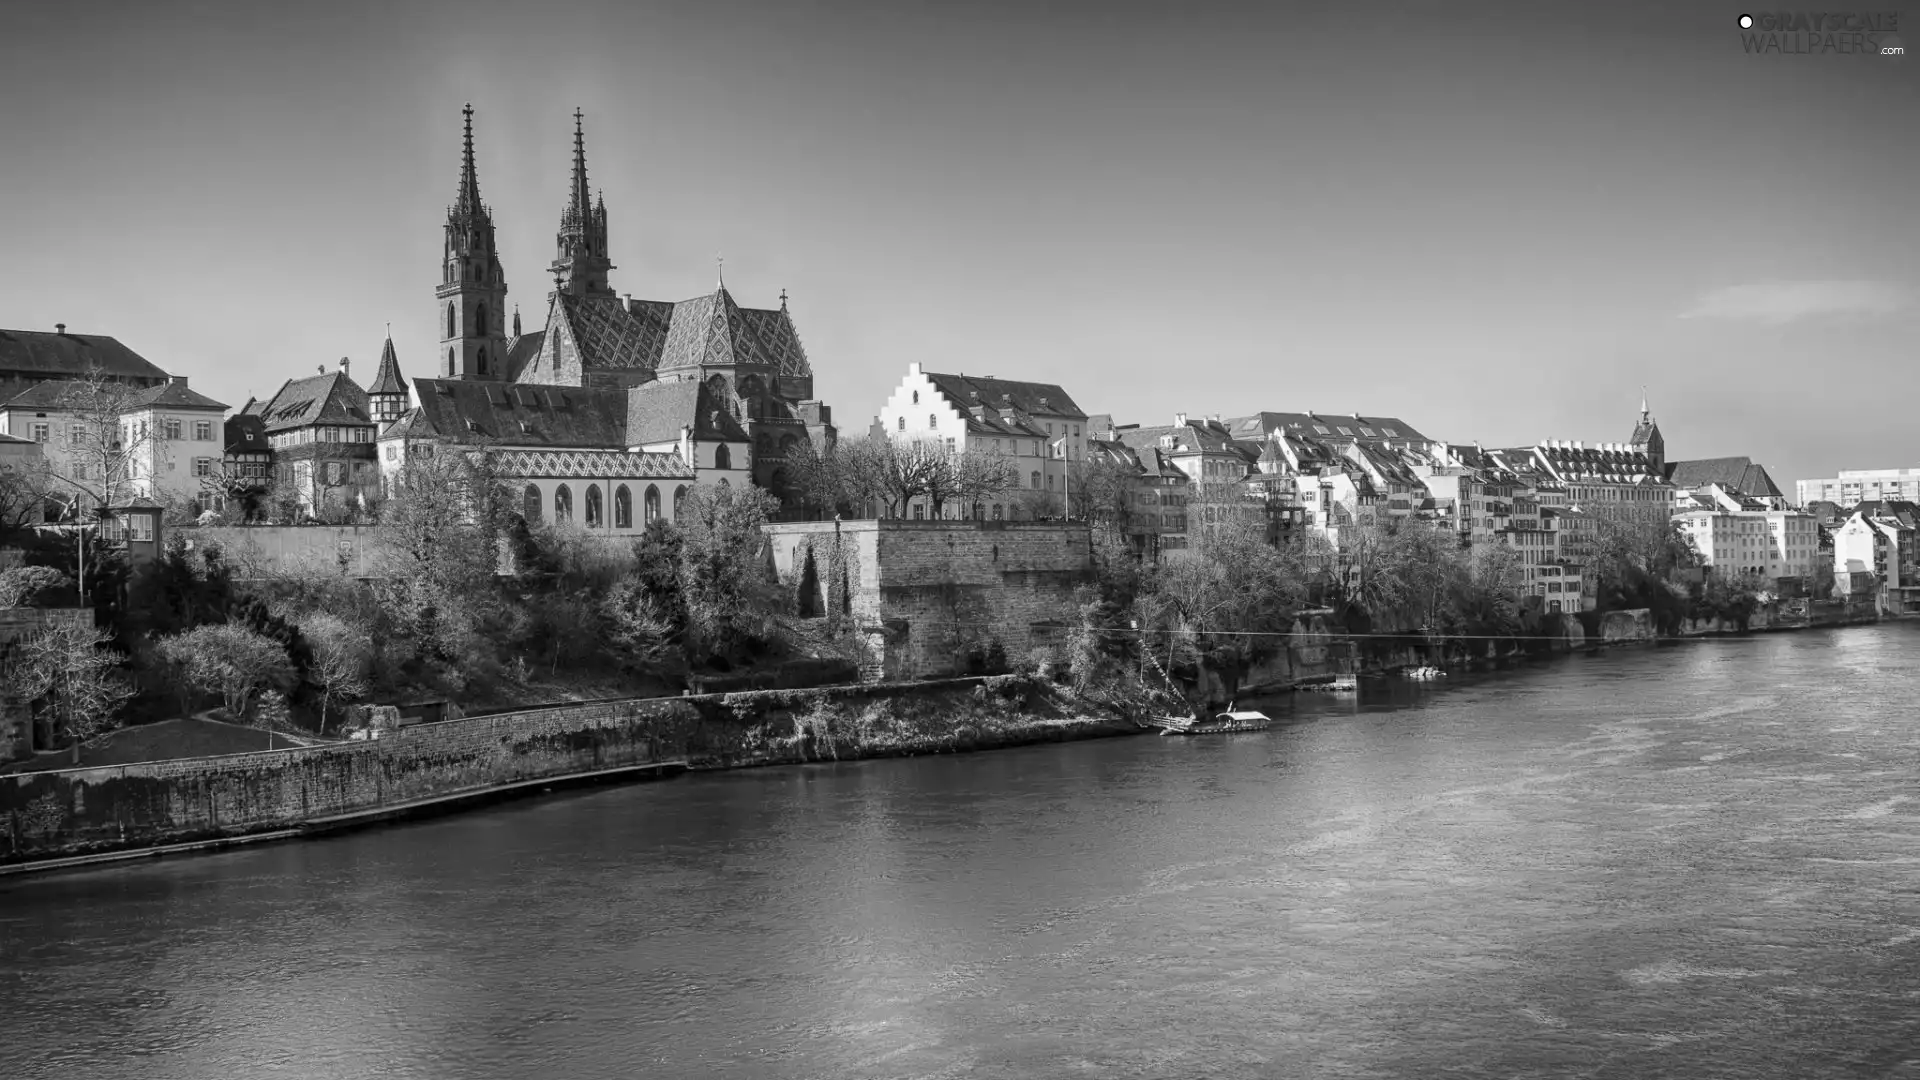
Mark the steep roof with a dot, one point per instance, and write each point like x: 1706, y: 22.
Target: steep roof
x: 245, y: 434
x: 1324, y: 426
x: 1032, y: 398
x: 328, y: 398
x: 1194, y: 436
x: 711, y: 330
x: 521, y: 351
x: 174, y: 395
x: 1602, y: 464
x: 606, y: 334
x: 1733, y: 473
x: 780, y: 340
x: 657, y: 412
x: 388, y: 379
x: 515, y: 414
x: 32, y: 354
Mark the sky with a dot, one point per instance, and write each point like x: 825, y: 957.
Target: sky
x: 1497, y: 221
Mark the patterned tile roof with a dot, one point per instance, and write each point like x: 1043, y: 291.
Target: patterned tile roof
x: 608, y: 335
x: 1032, y: 398
x: 710, y: 330
x: 328, y: 398
x: 31, y: 354
x: 781, y: 340
x: 590, y: 465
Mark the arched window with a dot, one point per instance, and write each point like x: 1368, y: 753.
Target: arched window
x: 999, y: 512
x: 453, y: 330
x: 763, y: 445
x: 450, y: 369
x: 916, y: 397
x: 978, y: 513
x: 723, y: 483
x: 933, y: 421
x: 562, y: 504
x: 1036, y: 480
x: 786, y: 446
x: 679, y: 497
x: 722, y: 458
x: 1049, y: 481
x: 653, y: 504
x: 593, y: 506
x: 480, y: 321
x: 903, y: 423
x: 622, y: 508
x: 530, y: 504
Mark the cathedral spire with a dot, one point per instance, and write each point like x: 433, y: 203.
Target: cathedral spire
x: 580, y: 207
x: 580, y: 265
x: 472, y: 294
x: 468, y: 200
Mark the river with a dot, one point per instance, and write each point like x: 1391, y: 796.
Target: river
x: 1686, y: 861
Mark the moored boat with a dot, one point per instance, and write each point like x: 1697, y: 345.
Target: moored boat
x: 1232, y: 720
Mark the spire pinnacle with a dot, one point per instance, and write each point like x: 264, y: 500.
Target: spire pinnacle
x: 720, y: 261
x: 469, y: 198
x: 581, y: 204
x: 783, y: 299
x: 1643, y: 401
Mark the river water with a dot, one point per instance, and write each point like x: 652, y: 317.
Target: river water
x: 1691, y: 861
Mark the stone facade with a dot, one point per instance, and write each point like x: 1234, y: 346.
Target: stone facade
x: 16, y: 720
x: 935, y: 597
x: 261, y: 550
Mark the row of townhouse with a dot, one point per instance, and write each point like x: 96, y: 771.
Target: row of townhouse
x: 105, y: 424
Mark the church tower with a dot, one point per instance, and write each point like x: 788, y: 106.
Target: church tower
x: 387, y: 397
x: 473, y: 288
x: 581, y: 264
x: 1647, y: 439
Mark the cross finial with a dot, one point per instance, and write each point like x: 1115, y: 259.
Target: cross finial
x: 783, y: 299
x: 720, y: 261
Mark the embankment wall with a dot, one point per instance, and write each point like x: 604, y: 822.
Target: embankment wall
x: 933, y: 596
x: 77, y: 811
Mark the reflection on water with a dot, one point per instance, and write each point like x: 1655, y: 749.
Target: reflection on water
x: 1691, y: 861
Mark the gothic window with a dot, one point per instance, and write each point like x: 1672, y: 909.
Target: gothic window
x: 722, y: 459
x: 480, y: 321
x: 763, y: 445
x: 903, y: 423
x: 562, y: 505
x: 916, y: 397
x: 451, y: 330
x: 622, y: 508
x: 933, y: 421
x: 593, y: 506
x: 450, y: 371
x: 679, y: 497
x: 999, y: 512
x: 723, y: 483
x: 653, y: 504
x: 530, y: 504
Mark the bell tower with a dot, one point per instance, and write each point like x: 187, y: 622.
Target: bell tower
x: 1647, y: 438
x: 473, y: 289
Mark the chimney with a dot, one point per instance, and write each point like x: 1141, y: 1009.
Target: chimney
x: 1179, y: 419
x: 59, y: 328
x: 344, y: 364
x: 323, y: 369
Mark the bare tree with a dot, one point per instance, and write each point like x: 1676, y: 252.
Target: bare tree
x: 230, y: 660
x: 71, y: 679
x: 102, y: 447
x: 341, y: 658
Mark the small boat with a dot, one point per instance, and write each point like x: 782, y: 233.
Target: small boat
x: 1344, y: 683
x: 1241, y: 720
x: 1424, y: 673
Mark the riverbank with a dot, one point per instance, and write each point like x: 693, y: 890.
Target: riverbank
x: 78, y: 817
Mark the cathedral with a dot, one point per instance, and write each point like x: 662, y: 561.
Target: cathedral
x: 615, y: 396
